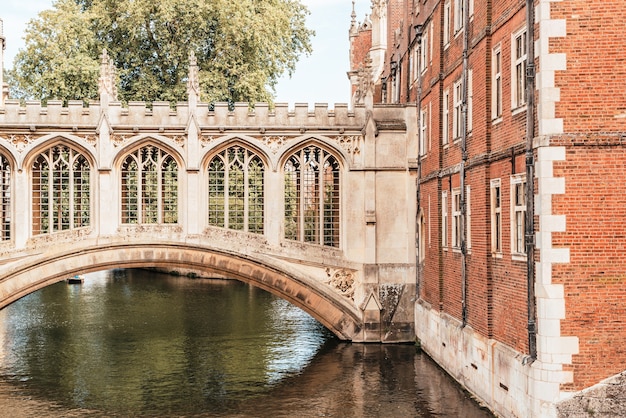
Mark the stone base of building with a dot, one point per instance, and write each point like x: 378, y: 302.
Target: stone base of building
x: 495, y: 374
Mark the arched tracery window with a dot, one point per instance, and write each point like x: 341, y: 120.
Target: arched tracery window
x: 312, y: 197
x: 236, y: 194
x: 5, y: 198
x: 149, y: 187
x: 61, y: 186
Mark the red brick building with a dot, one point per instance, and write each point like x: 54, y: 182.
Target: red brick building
x: 522, y: 299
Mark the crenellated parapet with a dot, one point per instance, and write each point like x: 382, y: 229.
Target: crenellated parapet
x: 141, y: 114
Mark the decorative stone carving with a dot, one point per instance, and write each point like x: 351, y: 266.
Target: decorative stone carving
x: 150, y: 229
x: 193, y: 82
x: 46, y: 240
x: 20, y: 142
x: 274, y: 142
x: 118, y: 140
x: 205, y: 140
x: 91, y: 139
x: 350, y: 143
x: 379, y: 8
x: 179, y: 140
x: 342, y: 280
x: 365, y: 84
x: 106, y: 83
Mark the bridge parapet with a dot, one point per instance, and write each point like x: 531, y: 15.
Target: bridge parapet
x: 165, y: 114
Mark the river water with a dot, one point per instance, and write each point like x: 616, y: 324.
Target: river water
x: 140, y: 343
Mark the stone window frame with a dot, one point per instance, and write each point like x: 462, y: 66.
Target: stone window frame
x: 444, y: 219
x: 519, y: 60
x: 496, y: 86
x: 445, y: 135
x: 61, y: 178
x: 424, y: 137
x: 447, y: 13
x: 242, y: 188
x: 457, y: 110
x: 147, y: 172
x: 456, y: 218
x: 518, y: 216
x: 5, y: 198
x: 495, y: 189
x: 315, y: 217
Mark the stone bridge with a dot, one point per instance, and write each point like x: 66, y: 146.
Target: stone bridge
x: 315, y: 205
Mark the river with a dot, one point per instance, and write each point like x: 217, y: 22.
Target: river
x: 141, y: 343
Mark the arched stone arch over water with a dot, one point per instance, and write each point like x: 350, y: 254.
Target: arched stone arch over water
x: 328, y: 307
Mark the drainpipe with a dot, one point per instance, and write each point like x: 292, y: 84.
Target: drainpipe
x: 418, y: 103
x: 530, y: 178
x: 463, y: 197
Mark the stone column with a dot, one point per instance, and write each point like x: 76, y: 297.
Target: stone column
x: 21, y: 226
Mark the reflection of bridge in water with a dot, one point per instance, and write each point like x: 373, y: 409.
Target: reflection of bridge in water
x: 311, y: 205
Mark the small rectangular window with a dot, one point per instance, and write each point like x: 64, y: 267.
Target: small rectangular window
x: 457, y: 121
x: 519, y: 56
x: 468, y: 218
x: 496, y: 92
x: 518, y: 214
x: 459, y: 15
x: 424, y: 52
x: 445, y: 135
x: 444, y: 219
x: 496, y: 216
x: 423, y: 132
x: 470, y: 100
x: 446, y: 24
x: 456, y: 218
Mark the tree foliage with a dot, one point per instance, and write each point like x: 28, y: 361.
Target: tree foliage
x: 242, y: 48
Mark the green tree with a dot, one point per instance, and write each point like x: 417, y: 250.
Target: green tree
x: 242, y: 47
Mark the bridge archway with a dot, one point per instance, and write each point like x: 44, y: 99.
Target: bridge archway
x: 330, y: 309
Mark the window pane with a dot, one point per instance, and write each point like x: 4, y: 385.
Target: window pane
x: 5, y: 195
x: 312, y: 203
x: 60, y: 187
x: 236, y: 177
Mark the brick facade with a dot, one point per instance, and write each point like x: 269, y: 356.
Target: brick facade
x: 473, y: 306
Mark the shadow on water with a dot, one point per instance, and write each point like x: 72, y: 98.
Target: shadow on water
x: 139, y: 343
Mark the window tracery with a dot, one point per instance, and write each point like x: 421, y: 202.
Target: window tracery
x: 236, y: 190
x: 61, y: 190
x: 149, y: 187
x: 5, y: 199
x: 312, y: 186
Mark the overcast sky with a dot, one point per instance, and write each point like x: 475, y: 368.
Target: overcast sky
x: 319, y: 78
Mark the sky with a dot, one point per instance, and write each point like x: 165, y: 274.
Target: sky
x: 319, y: 78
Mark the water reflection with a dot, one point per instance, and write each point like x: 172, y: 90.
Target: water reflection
x: 141, y: 343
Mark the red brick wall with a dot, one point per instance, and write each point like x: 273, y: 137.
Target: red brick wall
x: 595, y: 278
x: 593, y: 109
x: 360, y: 45
x: 593, y: 89
x: 496, y: 286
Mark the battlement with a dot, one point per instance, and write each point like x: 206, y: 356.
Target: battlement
x: 141, y: 114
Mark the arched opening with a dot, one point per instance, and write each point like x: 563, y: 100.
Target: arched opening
x: 5, y: 199
x: 312, y: 191
x: 149, y: 187
x: 61, y: 183
x: 328, y: 307
x: 236, y: 190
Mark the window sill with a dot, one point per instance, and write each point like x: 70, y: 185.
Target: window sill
x: 518, y: 110
x: 497, y: 120
x: 518, y: 257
